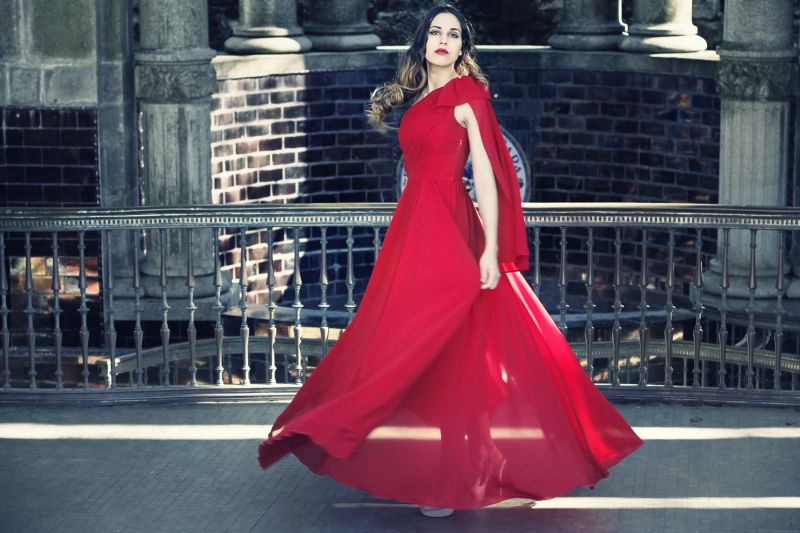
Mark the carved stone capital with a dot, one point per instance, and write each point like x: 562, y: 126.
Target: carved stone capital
x: 174, y: 83
x: 744, y: 80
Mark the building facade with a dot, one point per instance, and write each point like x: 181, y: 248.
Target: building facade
x: 128, y: 105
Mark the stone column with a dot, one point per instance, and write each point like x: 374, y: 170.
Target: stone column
x: 11, y: 24
x: 756, y: 80
x: 174, y: 81
x: 339, y: 25
x: 662, y: 26
x: 267, y: 27
x: 589, y: 25
x: 116, y: 123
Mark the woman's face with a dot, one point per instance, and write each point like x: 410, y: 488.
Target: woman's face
x: 444, y: 41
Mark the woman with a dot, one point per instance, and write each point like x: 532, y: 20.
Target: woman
x: 452, y: 388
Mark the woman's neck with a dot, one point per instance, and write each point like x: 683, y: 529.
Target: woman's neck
x: 438, y: 78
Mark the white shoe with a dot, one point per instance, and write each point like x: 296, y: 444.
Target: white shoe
x: 435, y: 512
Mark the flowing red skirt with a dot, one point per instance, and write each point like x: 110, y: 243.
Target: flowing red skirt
x: 443, y: 394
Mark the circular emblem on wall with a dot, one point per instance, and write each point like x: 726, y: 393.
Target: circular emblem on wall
x: 517, y: 157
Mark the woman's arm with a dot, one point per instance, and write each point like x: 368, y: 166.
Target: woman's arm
x: 486, y: 193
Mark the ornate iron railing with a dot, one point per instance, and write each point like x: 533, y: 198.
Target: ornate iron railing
x: 657, y: 300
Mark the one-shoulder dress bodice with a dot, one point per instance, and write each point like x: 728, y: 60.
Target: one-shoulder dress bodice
x: 434, y: 144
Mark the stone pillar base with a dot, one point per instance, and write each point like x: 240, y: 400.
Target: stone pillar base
x: 793, y: 288
x: 344, y: 42
x: 662, y: 26
x: 150, y: 301
x: 151, y: 311
x: 655, y: 44
x: 585, y: 41
x: 290, y: 44
x: 267, y: 27
x: 589, y: 25
x: 739, y: 277
x: 339, y: 26
x: 150, y: 286
x: 738, y: 286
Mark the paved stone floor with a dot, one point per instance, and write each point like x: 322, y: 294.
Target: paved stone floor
x: 162, y: 467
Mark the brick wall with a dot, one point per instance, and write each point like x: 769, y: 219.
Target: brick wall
x: 48, y: 158
x: 589, y: 136
x: 301, y: 138
x: 626, y: 137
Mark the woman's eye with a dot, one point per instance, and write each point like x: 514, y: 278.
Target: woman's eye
x: 433, y: 32
x: 454, y: 36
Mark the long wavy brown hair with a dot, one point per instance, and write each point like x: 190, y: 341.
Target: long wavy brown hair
x: 412, y: 74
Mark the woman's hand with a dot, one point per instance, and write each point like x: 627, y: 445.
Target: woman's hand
x: 490, y: 270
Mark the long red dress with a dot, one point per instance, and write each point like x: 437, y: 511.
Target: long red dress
x: 440, y: 393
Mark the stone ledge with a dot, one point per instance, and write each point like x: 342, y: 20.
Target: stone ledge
x: 235, y: 67
x: 48, y: 85
x: 543, y: 57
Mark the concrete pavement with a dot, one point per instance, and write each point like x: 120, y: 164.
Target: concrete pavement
x: 192, y: 467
